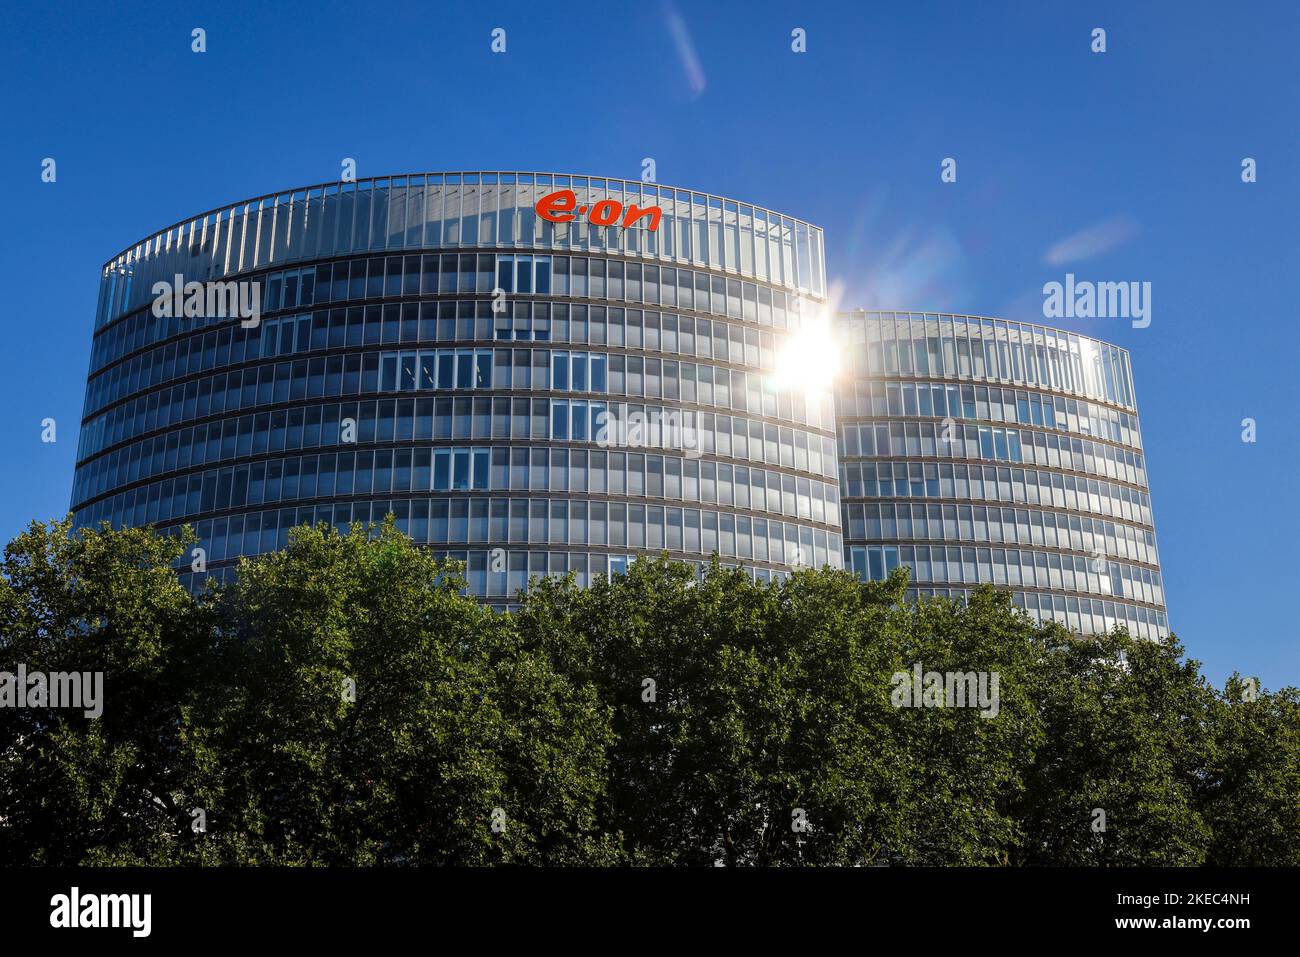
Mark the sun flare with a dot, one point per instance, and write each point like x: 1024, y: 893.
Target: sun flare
x: 808, y: 359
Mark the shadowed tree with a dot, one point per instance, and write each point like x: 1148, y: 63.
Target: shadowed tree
x: 379, y: 716
x: 75, y: 789
x: 1126, y: 737
x: 1252, y: 791
x: 342, y: 702
x: 755, y: 725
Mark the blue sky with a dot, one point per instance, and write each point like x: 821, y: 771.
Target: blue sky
x: 1131, y: 159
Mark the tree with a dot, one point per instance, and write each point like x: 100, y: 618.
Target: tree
x: 372, y: 714
x: 1116, y: 779
x: 342, y: 702
x: 962, y: 769
x: 754, y: 721
x: 77, y: 790
x: 1251, y: 794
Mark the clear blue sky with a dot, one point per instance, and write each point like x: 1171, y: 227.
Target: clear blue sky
x: 1130, y: 158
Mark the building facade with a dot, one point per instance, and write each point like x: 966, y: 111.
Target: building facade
x: 539, y: 373
x: 534, y: 373
x: 979, y: 450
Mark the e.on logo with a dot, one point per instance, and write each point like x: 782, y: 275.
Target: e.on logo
x: 555, y: 207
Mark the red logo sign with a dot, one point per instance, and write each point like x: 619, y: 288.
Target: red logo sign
x: 555, y: 207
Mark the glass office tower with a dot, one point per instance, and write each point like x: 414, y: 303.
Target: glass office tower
x: 978, y: 450
x: 531, y: 384
x: 539, y: 373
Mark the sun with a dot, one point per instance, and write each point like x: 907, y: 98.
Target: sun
x: 808, y: 360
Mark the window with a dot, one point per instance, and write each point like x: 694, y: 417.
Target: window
x: 579, y: 421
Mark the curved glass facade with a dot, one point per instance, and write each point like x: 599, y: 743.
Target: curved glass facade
x: 530, y: 396
x: 979, y: 450
x: 534, y: 393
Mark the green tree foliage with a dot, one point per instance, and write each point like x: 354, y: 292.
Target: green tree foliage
x: 1125, y: 748
x: 775, y: 699
x: 380, y: 717
x: 342, y: 703
x: 73, y: 789
x: 1251, y: 791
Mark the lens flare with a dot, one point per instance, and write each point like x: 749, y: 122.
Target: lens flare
x: 808, y: 359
